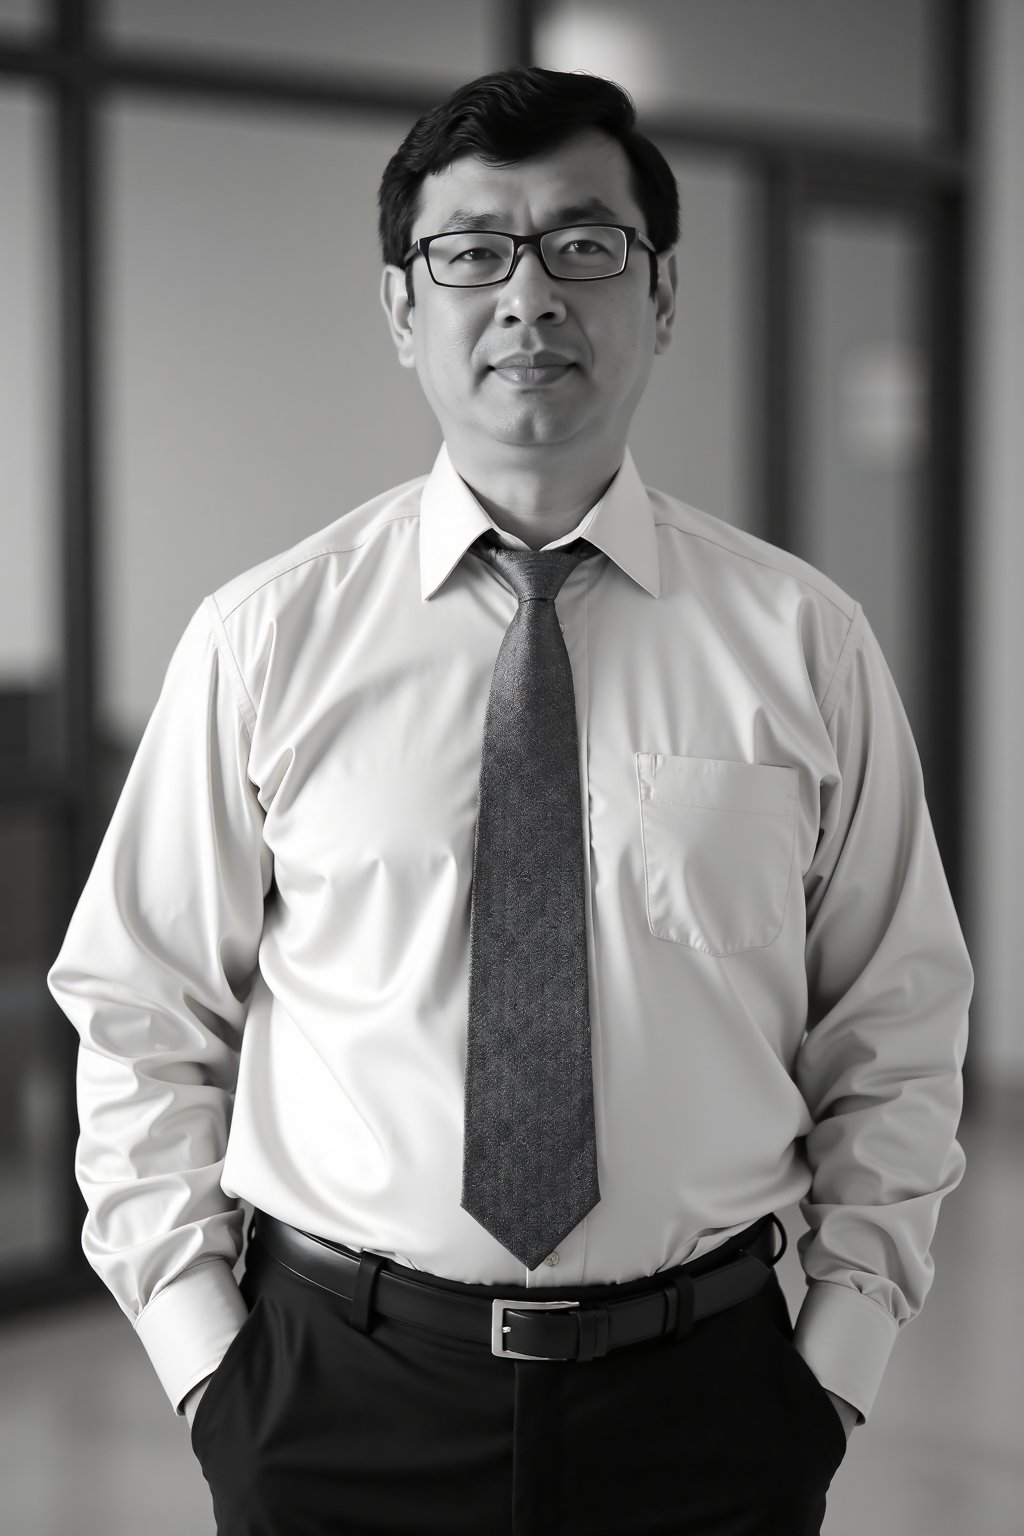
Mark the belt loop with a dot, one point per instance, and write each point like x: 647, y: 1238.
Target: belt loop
x: 680, y: 1307
x: 593, y: 1326
x: 370, y: 1265
x: 777, y: 1224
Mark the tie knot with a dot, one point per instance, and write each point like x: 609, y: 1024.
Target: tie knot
x: 533, y: 573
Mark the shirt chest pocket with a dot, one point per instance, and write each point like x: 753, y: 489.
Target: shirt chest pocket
x: 718, y: 845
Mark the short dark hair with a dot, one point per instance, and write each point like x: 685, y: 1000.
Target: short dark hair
x: 509, y: 116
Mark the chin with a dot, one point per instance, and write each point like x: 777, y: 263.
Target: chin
x: 525, y: 431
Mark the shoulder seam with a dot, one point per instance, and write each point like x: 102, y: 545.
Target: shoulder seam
x: 767, y: 565
x: 244, y: 703
x: 844, y: 662
x: 316, y: 554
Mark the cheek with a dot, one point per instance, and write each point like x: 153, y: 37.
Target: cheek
x: 635, y: 342
x: 444, y: 350
x: 620, y: 333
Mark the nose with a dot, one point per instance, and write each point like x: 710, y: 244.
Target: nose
x: 529, y: 293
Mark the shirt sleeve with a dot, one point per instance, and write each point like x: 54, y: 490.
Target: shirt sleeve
x: 155, y: 973
x: 889, y: 983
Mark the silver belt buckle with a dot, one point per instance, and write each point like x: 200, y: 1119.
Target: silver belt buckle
x: 499, y: 1327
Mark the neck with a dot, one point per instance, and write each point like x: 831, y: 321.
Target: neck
x: 537, y: 503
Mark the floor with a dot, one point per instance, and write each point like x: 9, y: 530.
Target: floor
x: 89, y: 1446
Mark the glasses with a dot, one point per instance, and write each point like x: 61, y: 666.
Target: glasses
x: 479, y: 258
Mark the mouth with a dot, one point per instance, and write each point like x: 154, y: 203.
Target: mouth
x: 532, y: 368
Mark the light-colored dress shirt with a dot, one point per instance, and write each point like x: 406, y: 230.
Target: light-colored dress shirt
x: 268, y: 965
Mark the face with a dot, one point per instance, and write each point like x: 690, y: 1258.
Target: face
x: 534, y: 363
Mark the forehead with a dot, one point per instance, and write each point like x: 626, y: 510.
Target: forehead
x: 587, y: 177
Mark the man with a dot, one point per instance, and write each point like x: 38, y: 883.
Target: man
x: 523, y: 889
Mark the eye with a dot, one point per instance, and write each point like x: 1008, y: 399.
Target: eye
x: 472, y: 255
x: 586, y: 243
x: 468, y: 248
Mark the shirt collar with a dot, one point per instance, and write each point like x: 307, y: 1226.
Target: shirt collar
x: 621, y: 525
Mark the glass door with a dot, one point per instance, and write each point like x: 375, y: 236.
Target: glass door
x: 861, y: 422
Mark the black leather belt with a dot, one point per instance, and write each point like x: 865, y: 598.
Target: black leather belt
x: 526, y: 1327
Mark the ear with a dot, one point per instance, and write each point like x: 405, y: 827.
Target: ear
x: 395, y: 301
x: 665, y: 300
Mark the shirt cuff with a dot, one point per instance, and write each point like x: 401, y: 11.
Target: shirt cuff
x: 187, y: 1327
x: 846, y: 1339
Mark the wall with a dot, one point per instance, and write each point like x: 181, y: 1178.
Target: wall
x: 29, y: 629
x: 995, y: 734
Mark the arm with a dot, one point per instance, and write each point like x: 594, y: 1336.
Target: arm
x: 155, y: 973
x: 889, y: 984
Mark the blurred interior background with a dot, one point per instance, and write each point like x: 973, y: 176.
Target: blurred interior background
x: 194, y: 373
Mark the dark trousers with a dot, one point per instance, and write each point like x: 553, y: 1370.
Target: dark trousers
x: 311, y: 1427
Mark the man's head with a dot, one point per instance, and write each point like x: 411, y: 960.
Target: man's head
x: 530, y: 358
x: 513, y: 115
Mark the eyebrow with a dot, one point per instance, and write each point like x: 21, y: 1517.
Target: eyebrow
x: 591, y: 211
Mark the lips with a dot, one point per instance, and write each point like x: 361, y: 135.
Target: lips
x: 534, y: 360
x: 533, y: 368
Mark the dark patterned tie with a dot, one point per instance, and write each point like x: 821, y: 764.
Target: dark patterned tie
x: 529, y: 1170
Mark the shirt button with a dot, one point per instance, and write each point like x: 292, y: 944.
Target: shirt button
x: 551, y: 1259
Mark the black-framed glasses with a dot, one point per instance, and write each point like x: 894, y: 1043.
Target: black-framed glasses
x: 479, y: 258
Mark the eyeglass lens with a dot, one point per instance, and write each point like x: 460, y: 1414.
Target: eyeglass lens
x: 470, y: 258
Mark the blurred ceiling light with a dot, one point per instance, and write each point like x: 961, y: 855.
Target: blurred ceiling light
x: 883, y: 409
x: 602, y: 40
